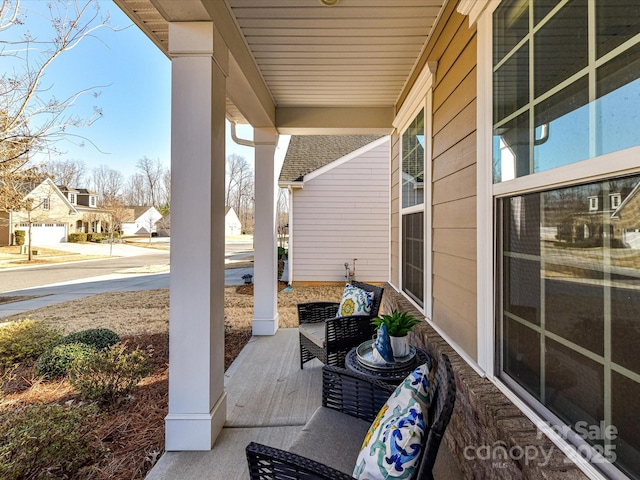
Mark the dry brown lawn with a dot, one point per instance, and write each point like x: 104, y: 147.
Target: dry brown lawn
x: 147, y: 311
x: 133, y: 431
x: 10, y: 257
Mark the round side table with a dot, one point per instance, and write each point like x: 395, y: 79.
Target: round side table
x: 391, y: 376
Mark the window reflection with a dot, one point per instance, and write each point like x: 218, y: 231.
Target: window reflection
x: 568, y: 122
x: 413, y: 163
x: 571, y: 289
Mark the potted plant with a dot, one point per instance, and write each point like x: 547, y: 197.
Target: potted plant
x: 398, y: 325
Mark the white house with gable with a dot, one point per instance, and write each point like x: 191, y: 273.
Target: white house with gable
x: 141, y: 220
x: 339, y: 207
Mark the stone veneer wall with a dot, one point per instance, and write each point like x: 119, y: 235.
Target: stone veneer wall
x: 484, y: 416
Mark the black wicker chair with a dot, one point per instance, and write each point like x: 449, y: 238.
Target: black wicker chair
x: 328, y: 447
x: 329, y: 338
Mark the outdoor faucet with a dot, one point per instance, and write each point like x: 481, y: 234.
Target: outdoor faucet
x: 350, y: 274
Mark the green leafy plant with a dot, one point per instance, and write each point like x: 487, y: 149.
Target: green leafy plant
x: 109, y: 374
x: 77, y: 237
x: 398, y: 323
x: 25, y: 339
x: 57, y: 361
x: 98, y: 338
x: 19, y: 236
x: 49, y: 441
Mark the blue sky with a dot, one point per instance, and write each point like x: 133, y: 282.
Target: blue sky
x: 134, y: 80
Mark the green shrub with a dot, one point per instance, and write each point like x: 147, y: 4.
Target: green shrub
x: 109, y: 374
x: 98, y: 338
x: 57, y: 361
x: 77, y: 237
x: 19, y: 236
x: 95, y: 237
x: 48, y: 441
x: 23, y: 340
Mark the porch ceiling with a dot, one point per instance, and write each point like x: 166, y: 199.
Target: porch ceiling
x: 304, y: 55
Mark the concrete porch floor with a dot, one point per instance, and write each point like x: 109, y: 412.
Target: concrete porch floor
x: 269, y: 400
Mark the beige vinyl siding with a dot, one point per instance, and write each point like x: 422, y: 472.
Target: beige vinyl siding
x: 395, y: 210
x: 454, y: 185
x: 343, y: 214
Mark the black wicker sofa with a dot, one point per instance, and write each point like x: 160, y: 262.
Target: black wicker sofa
x: 328, y: 445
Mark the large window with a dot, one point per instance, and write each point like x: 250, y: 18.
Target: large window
x: 566, y: 91
x: 413, y: 178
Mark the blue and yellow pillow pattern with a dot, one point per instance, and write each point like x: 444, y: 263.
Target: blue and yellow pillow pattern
x: 393, y: 444
x: 355, y: 301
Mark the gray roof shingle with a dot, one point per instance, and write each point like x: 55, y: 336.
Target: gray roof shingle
x: 308, y: 153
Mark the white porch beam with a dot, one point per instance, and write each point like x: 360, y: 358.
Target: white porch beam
x: 197, y: 401
x: 335, y: 120
x: 265, y: 292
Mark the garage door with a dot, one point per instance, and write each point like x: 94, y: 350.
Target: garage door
x: 48, y: 233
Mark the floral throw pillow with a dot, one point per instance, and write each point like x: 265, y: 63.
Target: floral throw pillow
x: 393, y: 444
x: 355, y: 301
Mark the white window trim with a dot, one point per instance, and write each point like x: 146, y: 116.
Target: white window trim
x: 408, y: 116
x: 615, y: 199
x: 485, y: 249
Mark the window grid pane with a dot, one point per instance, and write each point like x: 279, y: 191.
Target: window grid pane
x: 413, y: 163
x: 412, y: 256
x: 590, y: 102
x: 570, y: 303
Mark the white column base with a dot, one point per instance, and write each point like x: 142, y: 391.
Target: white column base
x: 195, y: 431
x: 265, y: 326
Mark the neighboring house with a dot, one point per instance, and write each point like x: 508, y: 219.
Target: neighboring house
x: 53, y: 217
x: 232, y: 225
x: 93, y: 219
x: 627, y: 218
x: 338, y: 207
x: 60, y: 210
x: 597, y: 219
x: 140, y: 220
x: 163, y: 226
x: 494, y: 108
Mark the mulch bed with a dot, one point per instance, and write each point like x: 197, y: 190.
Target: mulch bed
x: 248, y: 289
x: 132, y: 430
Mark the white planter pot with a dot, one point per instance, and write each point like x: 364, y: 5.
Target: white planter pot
x: 400, y: 346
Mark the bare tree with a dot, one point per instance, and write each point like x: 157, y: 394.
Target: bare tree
x: 31, y: 119
x: 152, y: 173
x: 240, y: 189
x: 165, y: 202
x: 66, y: 172
x: 30, y: 122
x: 107, y: 183
x: 282, y: 218
x: 135, y: 191
x: 32, y: 208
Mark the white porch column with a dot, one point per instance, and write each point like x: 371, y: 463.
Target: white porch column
x: 197, y: 401
x: 265, y: 265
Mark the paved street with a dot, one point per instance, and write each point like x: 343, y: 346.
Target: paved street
x: 28, y: 277
x: 134, y: 268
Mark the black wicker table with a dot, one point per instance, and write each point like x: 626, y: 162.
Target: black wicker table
x: 391, y: 376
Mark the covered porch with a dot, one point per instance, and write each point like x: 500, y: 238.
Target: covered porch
x: 422, y: 72
x: 301, y: 67
x: 269, y: 401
